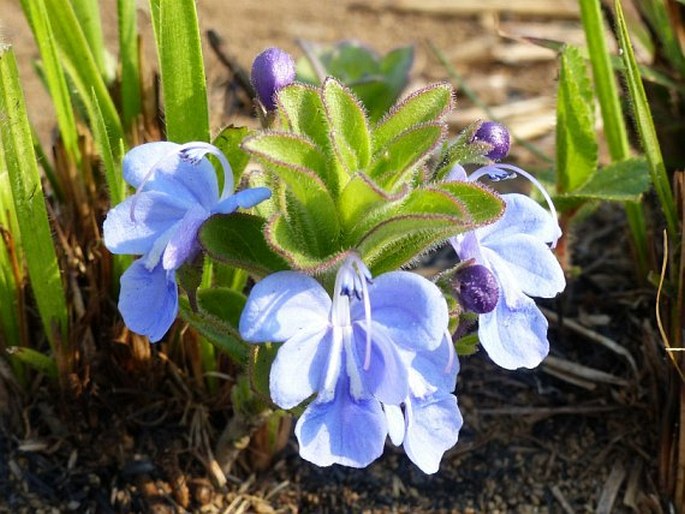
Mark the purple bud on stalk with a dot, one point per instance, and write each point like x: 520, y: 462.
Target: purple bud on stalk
x: 272, y: 70
x: 477, y: 288
x: 496, y: 135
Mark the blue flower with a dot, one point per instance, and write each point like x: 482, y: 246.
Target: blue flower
x: 176, y: 191
x: 428, y: 422
x: 349, y: 351
x: 516, y: 249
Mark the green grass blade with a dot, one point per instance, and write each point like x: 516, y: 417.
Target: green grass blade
x: 80, y: 64
x: 131, y: 103
x: 111, y: 157
x: 35, y: 12
x: 35, y: 359
x: 10, y: 331
x: 615, y: 130
x: 645, y: 124
x: 88, y: 14
x: 182, y: 69
x: 29, y: 203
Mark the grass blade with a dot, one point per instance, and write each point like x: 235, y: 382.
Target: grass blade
x: 645, y: 124
x: 131, y: 104
x: 80, y: 64
x: 29, y: 203
x: 612, y: 115
x: 35, y: 12
x: 88, y: 14
x: 182, y: 69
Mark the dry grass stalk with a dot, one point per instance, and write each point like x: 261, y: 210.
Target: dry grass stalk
x: 550, y: 8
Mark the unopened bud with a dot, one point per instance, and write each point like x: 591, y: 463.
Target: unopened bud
x: 272, y: 70
x: 496, y: 135
x: 477, y: 288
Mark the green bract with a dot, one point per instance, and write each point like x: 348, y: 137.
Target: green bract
x: 343, y: 183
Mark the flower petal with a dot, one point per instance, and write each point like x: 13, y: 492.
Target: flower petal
x: 343, y: 431
x: 245, y: 199
x: 162, y: 167
x: 396, y: 425
x: 521, y: 216
x: 434, y: 370
x: 299, y: 367
x: 154, y: 213
x: 529, y: 262
x: 386, y: 377
x: 183, y: 243
x: 410, y: 307
x: 515, y: 334
x: 432, y: 428
x: 281, y: 305
x: 148, y: 301
x: 138, y: 161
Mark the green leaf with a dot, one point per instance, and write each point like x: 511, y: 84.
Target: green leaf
x: 359, y: 198
x: 349, y: 126
x: 427, y: 217
x: 217, y: 320
x: 620, y: 182
x: 88, y: 15
x: 576, y: 140
x: 467, y: 345
x: 237, y: 239
x: 645, y: 125
x: 56, y: 82
x: 309, y: 204
x: 229, y: 141
x: 29, y: 203
x: 35, y: 359
x: 261, y: 360
x: 404, y: 153
x: 111, y: 161
x: 426, y: 105
x: 81, y: 66
x: 131, y: 102
x: 302, y: 112
x: 183, y: 74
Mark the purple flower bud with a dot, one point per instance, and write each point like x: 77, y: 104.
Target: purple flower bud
x: 272, y: 70
x: 497, y: 135
x: 477, y: 288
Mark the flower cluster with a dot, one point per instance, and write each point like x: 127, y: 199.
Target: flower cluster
x: 376, y: 355
x: 176, y: 191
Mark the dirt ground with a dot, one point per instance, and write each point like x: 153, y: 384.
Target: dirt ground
x: 577, y: 435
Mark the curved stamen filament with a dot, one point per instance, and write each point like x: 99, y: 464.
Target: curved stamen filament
x: 501, y: 171
x: 367, y: 319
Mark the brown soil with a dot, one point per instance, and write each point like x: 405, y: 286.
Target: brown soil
x: 532, y: 442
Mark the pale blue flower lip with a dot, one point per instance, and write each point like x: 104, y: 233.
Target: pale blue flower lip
x: 176, y: 191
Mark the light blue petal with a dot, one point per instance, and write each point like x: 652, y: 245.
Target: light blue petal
x: 431, y: 371
x: 386, y: 377
x: 432, y: 428
x: 148, y: 300
x: 343, y: 431
x: 514, y: 334
x: 281, y: 305
x: 521, y: 216
x: 183, y: 244
x: 154, y: 214
x: 161, y: 167
x: 243, y: 199
x: 396, y: 425
x: 138, y: 161
x: 467, y: 246
x: 529, y: 262
x: 298, y: 369
x: 410, y: 307
x: 198, y: 178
